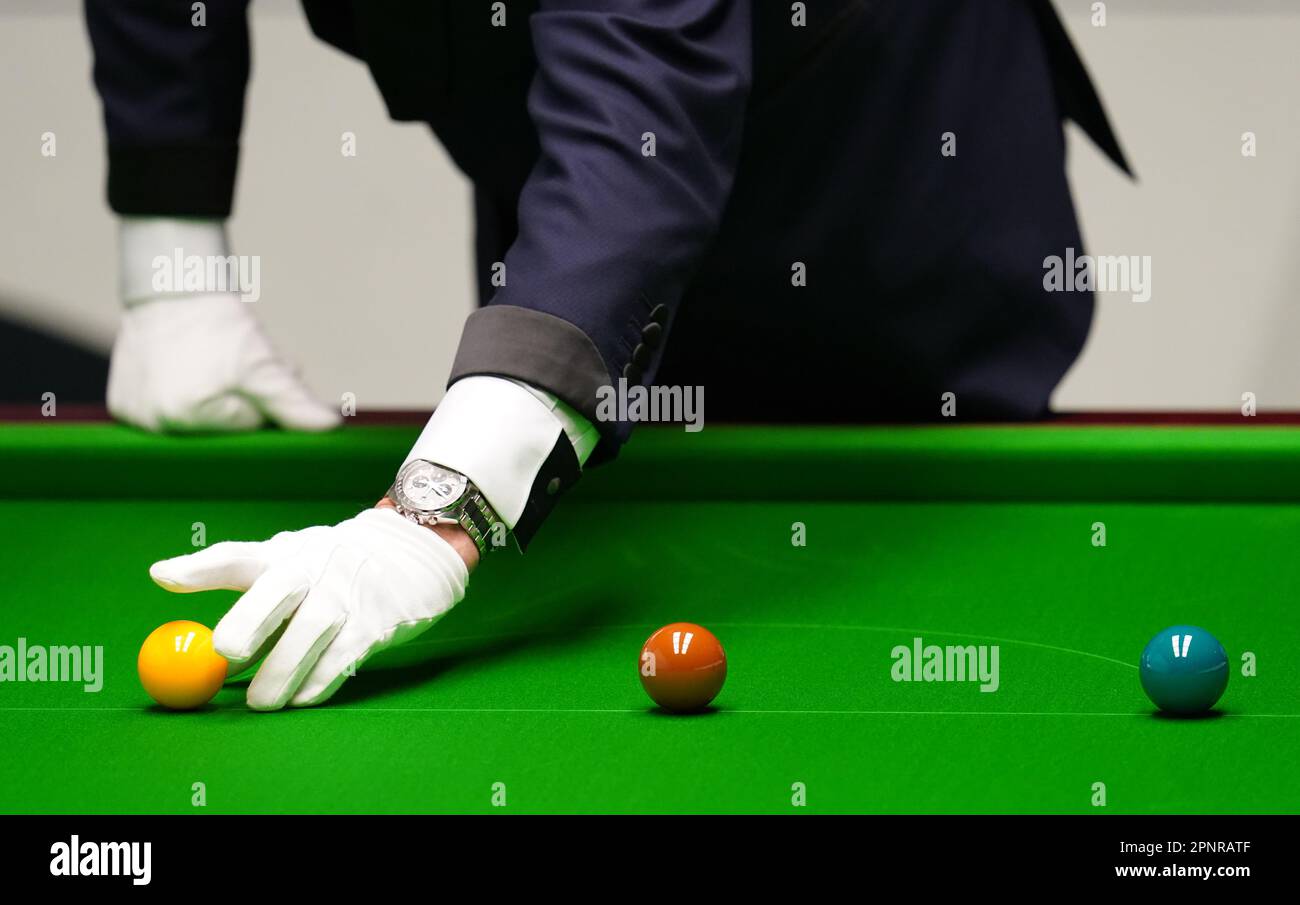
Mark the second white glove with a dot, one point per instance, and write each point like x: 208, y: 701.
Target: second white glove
x: 202, y: 363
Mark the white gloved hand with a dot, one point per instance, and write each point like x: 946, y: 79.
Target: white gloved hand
x: 202, y: 363
x: 346, y: 591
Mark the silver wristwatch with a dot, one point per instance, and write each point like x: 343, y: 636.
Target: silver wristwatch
x: 430, y: 494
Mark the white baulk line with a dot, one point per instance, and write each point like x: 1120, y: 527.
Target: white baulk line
x: 939, y: 633
x: 782, y: 626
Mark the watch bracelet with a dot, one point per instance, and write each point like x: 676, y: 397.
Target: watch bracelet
x: 477, y: 518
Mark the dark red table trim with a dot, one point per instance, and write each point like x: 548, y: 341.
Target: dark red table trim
x: 97, y: 412
x: 83, y: 412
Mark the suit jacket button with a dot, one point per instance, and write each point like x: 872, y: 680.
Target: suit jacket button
x: 659, y: 314
x: 651, y: 334
x: 641, y: 356
x: 632, y: 373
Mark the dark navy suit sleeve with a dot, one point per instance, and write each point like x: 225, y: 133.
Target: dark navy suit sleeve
x: 608, y: 235
x: 173, y: 96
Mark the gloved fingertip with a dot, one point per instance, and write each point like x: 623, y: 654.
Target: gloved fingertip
x: 317, y: 418
x: 258, y: 699
x: 314, y: 695
x: 164, y: 574
x: 263, y: 706
x: 231, y: 648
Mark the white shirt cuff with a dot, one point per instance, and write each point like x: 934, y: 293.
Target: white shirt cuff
x: 498, y: 433
x: 142, y: 240
x: 581, y: 432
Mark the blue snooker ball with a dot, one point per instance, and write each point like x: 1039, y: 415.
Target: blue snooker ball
x: 1184, y: 669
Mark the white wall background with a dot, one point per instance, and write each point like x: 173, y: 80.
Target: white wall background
x: 361, y: 255
x: 1183, y: 79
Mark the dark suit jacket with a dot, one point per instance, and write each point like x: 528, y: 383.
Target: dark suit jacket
x: 774, y: 144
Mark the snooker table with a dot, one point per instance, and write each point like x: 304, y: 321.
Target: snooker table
x: 960, y: 535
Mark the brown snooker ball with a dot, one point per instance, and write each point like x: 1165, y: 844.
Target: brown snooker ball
x: 683, y: 667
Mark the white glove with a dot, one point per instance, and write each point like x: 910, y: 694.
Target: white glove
x: 347, y: 591
x: 202, y: 363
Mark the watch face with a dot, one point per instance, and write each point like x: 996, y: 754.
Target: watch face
x: 428, y: 487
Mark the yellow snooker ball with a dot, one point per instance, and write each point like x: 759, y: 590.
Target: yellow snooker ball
x: 178, y: 666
